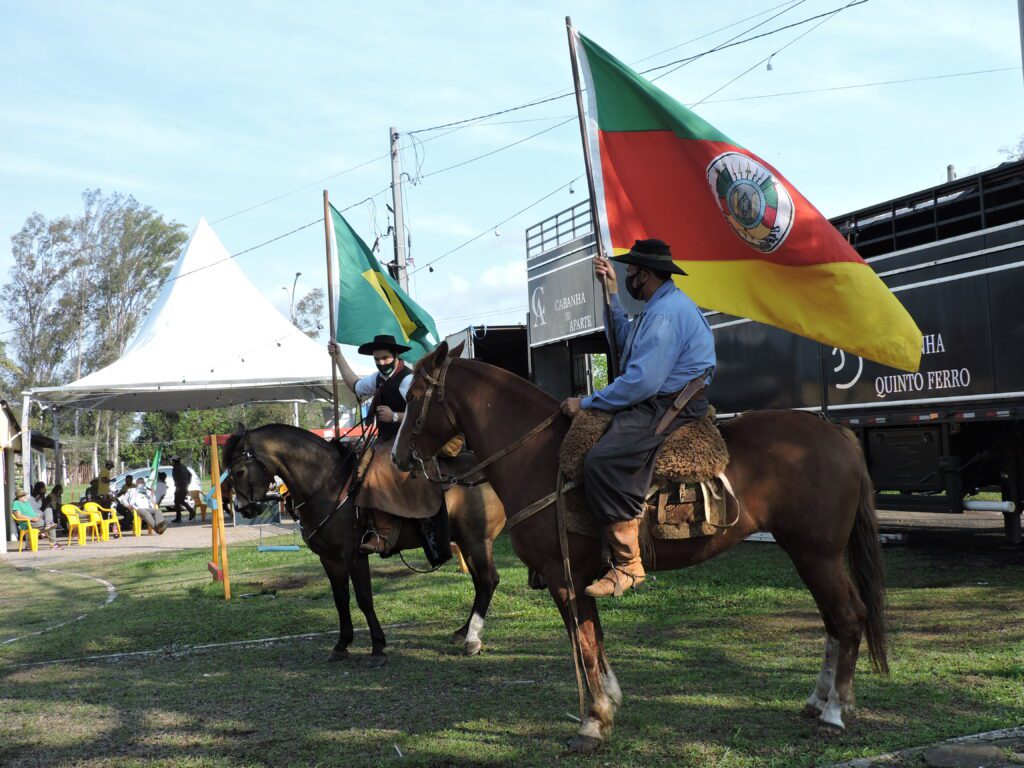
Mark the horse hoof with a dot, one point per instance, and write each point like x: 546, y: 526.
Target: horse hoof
x: 472, y: 648
x: 375, y: 662
x: 336, y: 655
x: 458, y: 638
x: 830, y: 729
x: 810, y: 711
x: 583, y: 745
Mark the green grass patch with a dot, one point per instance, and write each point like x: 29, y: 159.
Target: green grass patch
x: 715, y: 663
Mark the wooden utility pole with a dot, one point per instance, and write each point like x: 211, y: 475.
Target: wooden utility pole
x: 333, y: 328
x: 401, y: 273
x: 609, y: 321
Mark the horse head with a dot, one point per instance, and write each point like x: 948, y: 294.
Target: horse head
x: 248, y: 475
x: 429, y: 422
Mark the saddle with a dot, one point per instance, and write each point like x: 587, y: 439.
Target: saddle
x: 689, y: 496
x: 410, y: 495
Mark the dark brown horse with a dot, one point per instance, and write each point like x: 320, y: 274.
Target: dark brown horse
x: 796, y: 476
x: 317, y: 474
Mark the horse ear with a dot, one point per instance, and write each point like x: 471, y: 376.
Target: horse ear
x: 239, y: 428
x: 440, y: 351
x: 456, y: 351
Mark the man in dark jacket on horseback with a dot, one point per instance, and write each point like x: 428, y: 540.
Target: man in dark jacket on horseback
x: 388, y: 388
x: 664, y: 349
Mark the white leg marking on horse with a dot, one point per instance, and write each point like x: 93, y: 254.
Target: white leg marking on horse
x: 826, y: 678
x: 591, y: 727
x: 611, y: 687
x: 833, y: 712
x: 476, y: 626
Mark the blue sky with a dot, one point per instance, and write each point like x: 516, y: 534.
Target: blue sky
x: 205, y: 109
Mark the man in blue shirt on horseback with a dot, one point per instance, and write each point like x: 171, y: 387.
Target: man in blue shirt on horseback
x: 666, y: 350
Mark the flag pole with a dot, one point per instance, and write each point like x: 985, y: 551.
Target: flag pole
x: 330, y: 312
x: 609, y: 321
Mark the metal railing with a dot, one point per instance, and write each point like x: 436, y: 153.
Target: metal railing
x: 564, y: 227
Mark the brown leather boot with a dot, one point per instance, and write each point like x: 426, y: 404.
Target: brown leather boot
x: 378, y: 537
x: 627, y: 569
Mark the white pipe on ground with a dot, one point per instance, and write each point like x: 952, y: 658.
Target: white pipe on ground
x: 1006, y: 507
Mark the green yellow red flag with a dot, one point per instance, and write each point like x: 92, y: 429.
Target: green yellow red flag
x: 750, y: 243
x: 371, y: 303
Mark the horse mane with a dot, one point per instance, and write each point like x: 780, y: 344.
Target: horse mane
x: 233, y: 445
x: 502, y: 376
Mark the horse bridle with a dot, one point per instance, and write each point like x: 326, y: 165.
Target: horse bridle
x: 250, y: 457
x: 437, y: 384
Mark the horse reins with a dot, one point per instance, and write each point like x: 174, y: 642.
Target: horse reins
x: 249, y: 456
x: 437, y: 384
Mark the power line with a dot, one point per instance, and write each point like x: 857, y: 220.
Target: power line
x: 290, y: 232
x: 824, y: 17
x: 679, y: 64
x: 468, y: 122
x: 495, y: 226
x: 363, y: 164
x: 481, y: 314
x: 862, y: 85
x: 731, y: 43
x: 496, y: 151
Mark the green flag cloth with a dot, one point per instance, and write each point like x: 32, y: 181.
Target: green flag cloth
x: 156, y: 467
x: 371, y: 303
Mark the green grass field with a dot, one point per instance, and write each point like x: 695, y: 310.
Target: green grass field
x: 715, y: 663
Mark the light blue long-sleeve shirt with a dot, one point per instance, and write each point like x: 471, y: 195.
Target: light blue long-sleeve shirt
x: 672, y: 346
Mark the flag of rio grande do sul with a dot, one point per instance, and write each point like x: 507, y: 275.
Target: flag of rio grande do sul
x: 750, y: 243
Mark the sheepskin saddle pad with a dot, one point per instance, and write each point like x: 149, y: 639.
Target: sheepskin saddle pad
x: 693, y: 453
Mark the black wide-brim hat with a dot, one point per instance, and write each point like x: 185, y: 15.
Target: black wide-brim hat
x: 384, y: 341
x: 653, y: 254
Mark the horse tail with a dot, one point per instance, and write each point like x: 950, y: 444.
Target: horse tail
x: 865, y: 556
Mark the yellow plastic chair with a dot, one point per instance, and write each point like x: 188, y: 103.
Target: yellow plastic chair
x: 137, y: 525
x: 75, y: 524
x: 113, y: 521
x: 95, y: 513
x: 29, y: 531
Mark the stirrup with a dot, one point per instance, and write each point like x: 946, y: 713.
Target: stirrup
x: 618, y: 578
x: 379, y: 545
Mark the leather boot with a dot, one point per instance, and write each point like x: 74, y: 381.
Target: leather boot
x: 378, y: 536
x: 627, y: 570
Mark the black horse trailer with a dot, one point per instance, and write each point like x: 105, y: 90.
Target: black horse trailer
x: 953, y: 254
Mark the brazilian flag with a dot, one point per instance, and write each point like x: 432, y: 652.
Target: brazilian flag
x: 371, y: 303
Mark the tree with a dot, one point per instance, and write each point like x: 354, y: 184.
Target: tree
x: 35, y: 301
x: 1016, y: 152
x: 309, y: 313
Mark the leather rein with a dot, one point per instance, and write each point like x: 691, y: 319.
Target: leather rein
x: 248, y: 456
x: 436, y: 384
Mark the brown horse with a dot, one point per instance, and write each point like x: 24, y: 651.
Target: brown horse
x: 796, y: 476
x: 317, y: 474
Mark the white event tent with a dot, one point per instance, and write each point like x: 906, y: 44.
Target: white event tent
x: 212, y: 339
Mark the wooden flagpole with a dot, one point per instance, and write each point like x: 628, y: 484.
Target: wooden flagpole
x: 609, y: 321
x: 330, y: 311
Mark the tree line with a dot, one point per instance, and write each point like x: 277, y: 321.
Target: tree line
x: 75, y: 293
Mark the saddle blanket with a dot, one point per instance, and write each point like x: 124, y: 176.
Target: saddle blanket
x: 689, y: 497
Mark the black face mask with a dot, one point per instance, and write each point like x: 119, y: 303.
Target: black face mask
x: 633, y: 288
x: 386, y: 370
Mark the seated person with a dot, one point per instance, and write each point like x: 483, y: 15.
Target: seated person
x: 43, y: 520
x: 161, y: 488
x: 119, y: 501
x: 55, y: 500
x: 140, y: 499
x: 92, y: 491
